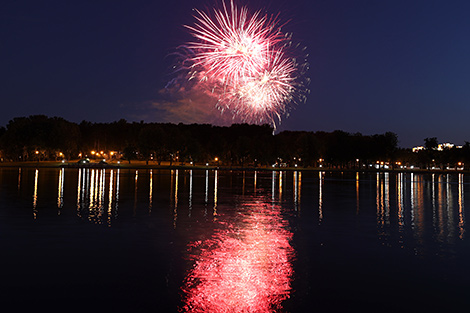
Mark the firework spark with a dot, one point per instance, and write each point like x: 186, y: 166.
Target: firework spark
x: 246, y: 62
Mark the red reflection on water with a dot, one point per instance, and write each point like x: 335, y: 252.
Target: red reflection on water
x: 244, y: 267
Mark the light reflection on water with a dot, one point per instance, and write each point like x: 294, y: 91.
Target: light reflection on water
x: 320, y: 196
x: 296, y: 188
x: 405, y: 201
x: 244, y: 259
x: 190, y: 204
x: 245, y: 266
x: 151, y: 191
x: 427, y: 207
x: 35, y: 195
x: 19, y: 179
x: 60, y: 191
x: 461, y: 208
x: 91, y: 194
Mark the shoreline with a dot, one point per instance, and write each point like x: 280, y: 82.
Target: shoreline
x: 143, y: 165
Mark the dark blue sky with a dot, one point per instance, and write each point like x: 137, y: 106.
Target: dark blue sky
x: 375, y: 66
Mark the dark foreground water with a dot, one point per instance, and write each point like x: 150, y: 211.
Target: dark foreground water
x: 219, y: 241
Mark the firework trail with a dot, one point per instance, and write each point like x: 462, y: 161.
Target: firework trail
x: 247, y: 63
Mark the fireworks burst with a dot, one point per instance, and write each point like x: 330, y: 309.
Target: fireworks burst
x: 247, y: 63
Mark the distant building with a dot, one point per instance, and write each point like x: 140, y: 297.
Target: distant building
x: 440, y: 147
x: 445, y: 145
x: 419, y: 148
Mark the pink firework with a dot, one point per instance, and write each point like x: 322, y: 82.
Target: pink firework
x: 244, y: 60
x: 264, y: 97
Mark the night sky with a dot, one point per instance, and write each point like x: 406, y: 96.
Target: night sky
x: 375, y: 66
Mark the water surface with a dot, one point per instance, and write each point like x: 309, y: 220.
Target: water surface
x: 223, y: 241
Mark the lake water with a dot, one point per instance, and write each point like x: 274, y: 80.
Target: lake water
x: 222, y: 241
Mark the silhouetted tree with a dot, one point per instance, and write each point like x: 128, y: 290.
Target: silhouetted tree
x: 431, y: 143
x: 129, y: 153
x: 239, y: 144
x: 51, y: 136
x: 428, y: 156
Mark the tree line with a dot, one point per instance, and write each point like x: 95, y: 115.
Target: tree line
x: 39, y: 137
